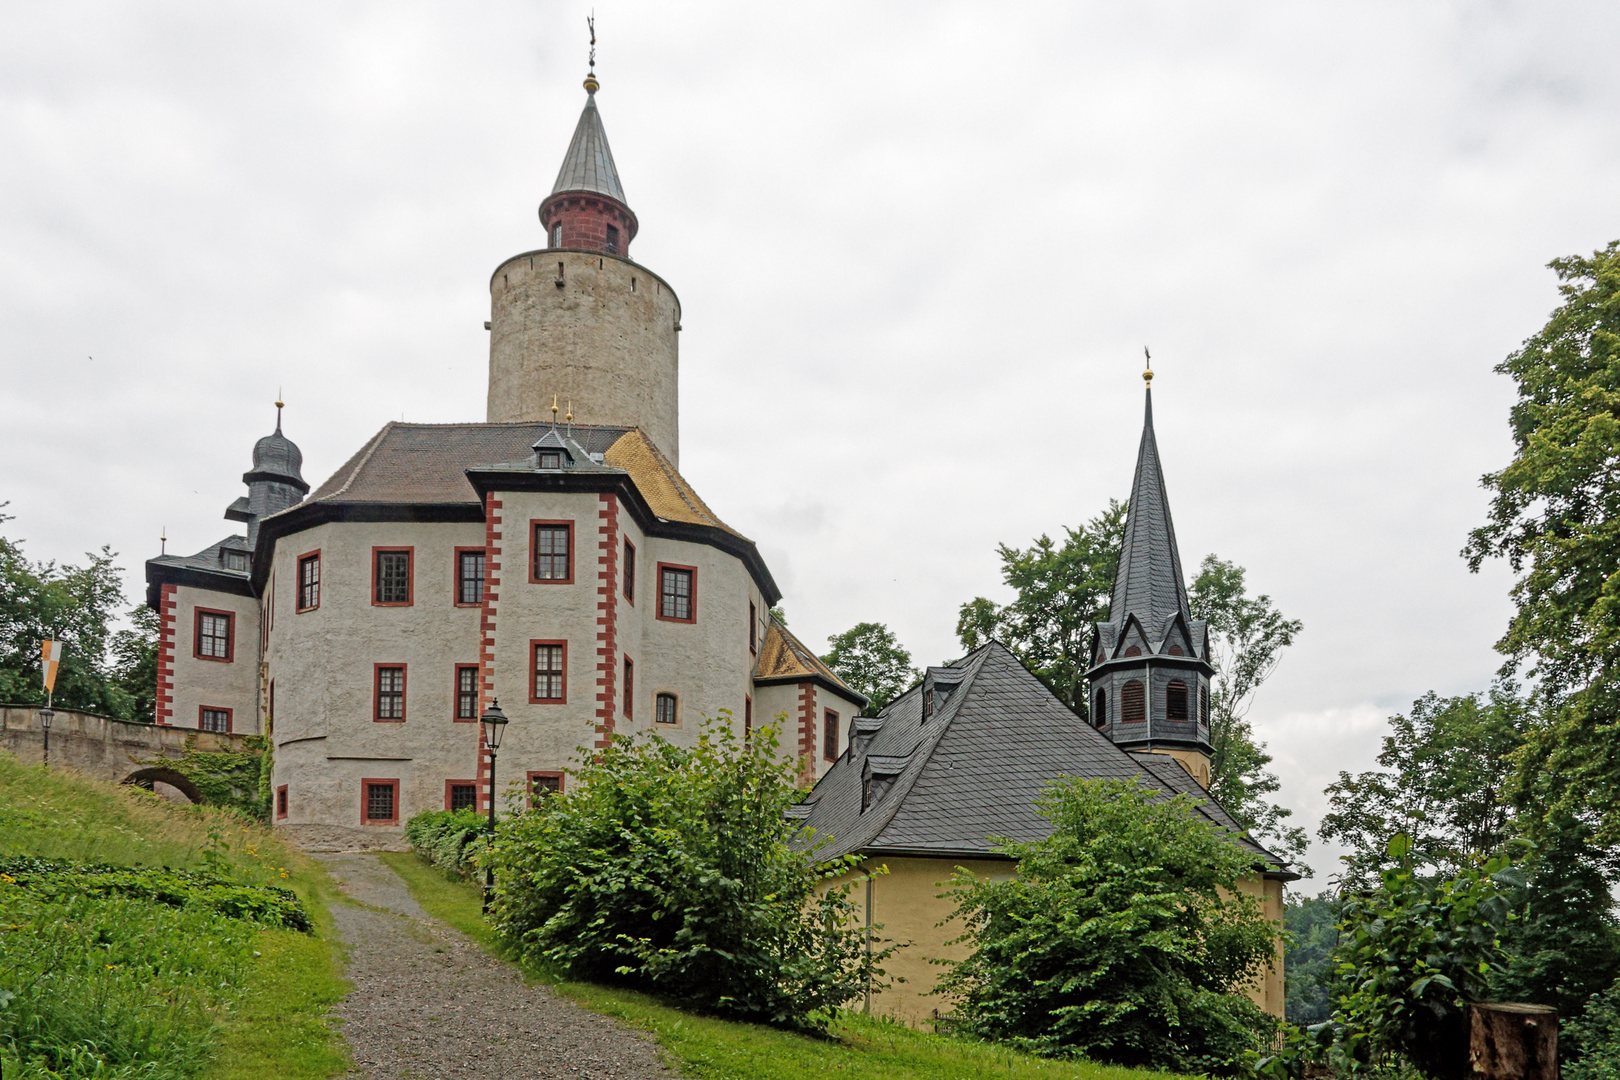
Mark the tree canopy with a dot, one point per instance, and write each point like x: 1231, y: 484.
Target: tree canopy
x: 870, y: 659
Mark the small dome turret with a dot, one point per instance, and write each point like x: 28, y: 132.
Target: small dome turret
x: 275, y: 482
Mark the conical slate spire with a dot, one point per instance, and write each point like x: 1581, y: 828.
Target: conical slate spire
x: 1149, y: 583
x: 588, y: 165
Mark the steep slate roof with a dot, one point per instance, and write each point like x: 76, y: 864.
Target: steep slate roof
x: 427, y: 464
x: 1149, y: 583
x: 588, y: 165
x: 972, y: 771
x: 784, y: 658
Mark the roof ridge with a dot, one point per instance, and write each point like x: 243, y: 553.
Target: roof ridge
x: 355, y: 464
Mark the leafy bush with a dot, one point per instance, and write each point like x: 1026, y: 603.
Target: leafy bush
x: 1121, y: 938
x: 1310, y: 922
x: 673, y: 870
x: 109, y: 987
x: 225, y: 896
x: 1413, y: 954
x: 1595, y: 1037
x: 449, y: 839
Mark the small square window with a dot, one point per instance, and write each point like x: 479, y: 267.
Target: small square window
x: 214, y: 720
x: 463, y: 796
x: 550, y: 459
x: 214, y: 635
x: 665, y: 712
x: 236, y: 560
x: 382, y: 798
x: 542, y: 784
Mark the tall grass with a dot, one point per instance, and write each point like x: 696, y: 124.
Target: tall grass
x: 114, y: 987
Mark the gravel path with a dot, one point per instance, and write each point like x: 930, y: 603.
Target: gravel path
x: 429, y: 1003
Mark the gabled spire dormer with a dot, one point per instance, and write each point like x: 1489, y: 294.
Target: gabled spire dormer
x: 1150, y: 672
x: 586, y: 210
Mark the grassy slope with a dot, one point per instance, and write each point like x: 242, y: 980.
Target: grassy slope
x: 708, y: 1049
x: 278, y: 1025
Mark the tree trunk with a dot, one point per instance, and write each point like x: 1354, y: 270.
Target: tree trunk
x: 1514, y: 1042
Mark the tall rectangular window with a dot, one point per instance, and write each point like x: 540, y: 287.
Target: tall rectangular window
x: 551, y: 544
x: 466, y: 691
x: 281, y: 801
x: 664, y: 711
x: 390, y: 692
x: 214, y: 635
x: 829, y: 735
x: 550, y: 674
x: 214, y: 719
x: 748, y: 718
x: 629, y: 689
x: 630, y: 571
x: 675, y: 595
x: 309, y: 581
x: 753, y: 629
x: 391, y: 576
x: 380, y: 800
x: 469, y: 577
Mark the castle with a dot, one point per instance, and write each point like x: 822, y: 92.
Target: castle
x: 564, y: 568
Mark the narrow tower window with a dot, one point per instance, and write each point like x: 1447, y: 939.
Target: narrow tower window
x: 1175, y: 701
x: 1132, y: 702
x: 829, y: 737
x: 1203, y: 705
x: 612, y: 246
x: 556, y: 242
x: 309, y: 582
x: 1099, y: 712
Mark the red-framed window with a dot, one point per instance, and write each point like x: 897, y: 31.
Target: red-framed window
x: 393, y: 571
x: 543, y: 783
x: 379, y: 801
x: 677, y: 593
x: 551, y: 552
x: 388, y: 693
x: 548, y: 672
x: 666, y: 709
x: 215, y: 637
x: 470, y: 564
x: 466, y: 693
x: 281, y: 801
x: 748, y: 718
x: 270, y: 716
x: 629, y: 572
x: 753, y: 629
x: 213, y: 718
x: 629, y: 689
x: 829, y: 735
x: 461, y: 794
x: 308, y: 587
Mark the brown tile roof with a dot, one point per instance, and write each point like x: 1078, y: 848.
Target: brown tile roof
x: 427, y: 463
x: 783, y: 656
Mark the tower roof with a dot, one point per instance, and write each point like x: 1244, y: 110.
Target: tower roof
x: 1149, y: 583
x: 588, y: 165
x: 277, y: 458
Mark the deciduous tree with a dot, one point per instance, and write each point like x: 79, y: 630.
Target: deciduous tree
x: 870, y: 659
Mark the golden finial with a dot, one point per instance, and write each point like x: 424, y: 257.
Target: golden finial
x: 163, y: 541
x: 570, y: 416
x: 1147, y: 376
x: 591, y: 85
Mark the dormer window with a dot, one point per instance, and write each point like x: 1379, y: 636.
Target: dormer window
x: 236, y: 560
x: 550, y: 459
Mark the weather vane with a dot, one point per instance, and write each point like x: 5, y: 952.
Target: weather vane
x: 1147, y: 376
x: 590, y: 23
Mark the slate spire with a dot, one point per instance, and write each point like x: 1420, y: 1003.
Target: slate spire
x: 588, y: 165
x: 1148, y: 583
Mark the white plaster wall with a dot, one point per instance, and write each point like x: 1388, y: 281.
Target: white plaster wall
x: 230, y: 685
x: 779, y: 704
x: 322, y: 662
x: 605, y: 340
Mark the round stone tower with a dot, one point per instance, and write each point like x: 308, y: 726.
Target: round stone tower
x: 577, y: 319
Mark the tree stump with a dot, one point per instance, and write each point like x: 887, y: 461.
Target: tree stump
x: 1510, y: 1041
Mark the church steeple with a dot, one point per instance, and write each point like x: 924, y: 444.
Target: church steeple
x: 1150, y: 661
x: 586, y: 210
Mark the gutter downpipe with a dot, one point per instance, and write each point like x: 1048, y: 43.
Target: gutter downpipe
x: 867, y: 1008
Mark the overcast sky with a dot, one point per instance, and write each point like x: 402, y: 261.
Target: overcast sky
x: 919, y: 249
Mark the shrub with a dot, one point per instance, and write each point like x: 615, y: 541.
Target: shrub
x: 1595, y: 1035
x: 672, y: 869
x: 449, y: 839
x: 1121, y: 937
x: 225, y: 896
x: 106, y: 986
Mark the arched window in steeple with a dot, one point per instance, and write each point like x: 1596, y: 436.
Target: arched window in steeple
x: 1203, y: 705
x: 1133, y: 702
x: 1175, y: 701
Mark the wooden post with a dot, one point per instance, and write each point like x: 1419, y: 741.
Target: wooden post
x: 1510, y: 1041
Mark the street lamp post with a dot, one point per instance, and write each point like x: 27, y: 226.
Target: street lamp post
x: 46, y: 715
x: 494, y: 722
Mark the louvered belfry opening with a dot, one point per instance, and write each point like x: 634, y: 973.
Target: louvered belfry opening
x: 1133, y: 702
x: 1175, y: 700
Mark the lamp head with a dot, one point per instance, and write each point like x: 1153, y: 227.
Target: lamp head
x: 45, y: 718
x: 494, y: 722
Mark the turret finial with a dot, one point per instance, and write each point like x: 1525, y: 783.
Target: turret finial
x: 591, y: 85
x: 1147, y: 376
x: 279, y: 406
x: 553, y: 410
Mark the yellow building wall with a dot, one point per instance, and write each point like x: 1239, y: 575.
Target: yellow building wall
x: 906, y: 904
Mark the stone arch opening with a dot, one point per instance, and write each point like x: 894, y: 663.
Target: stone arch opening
x: 145, y: 778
